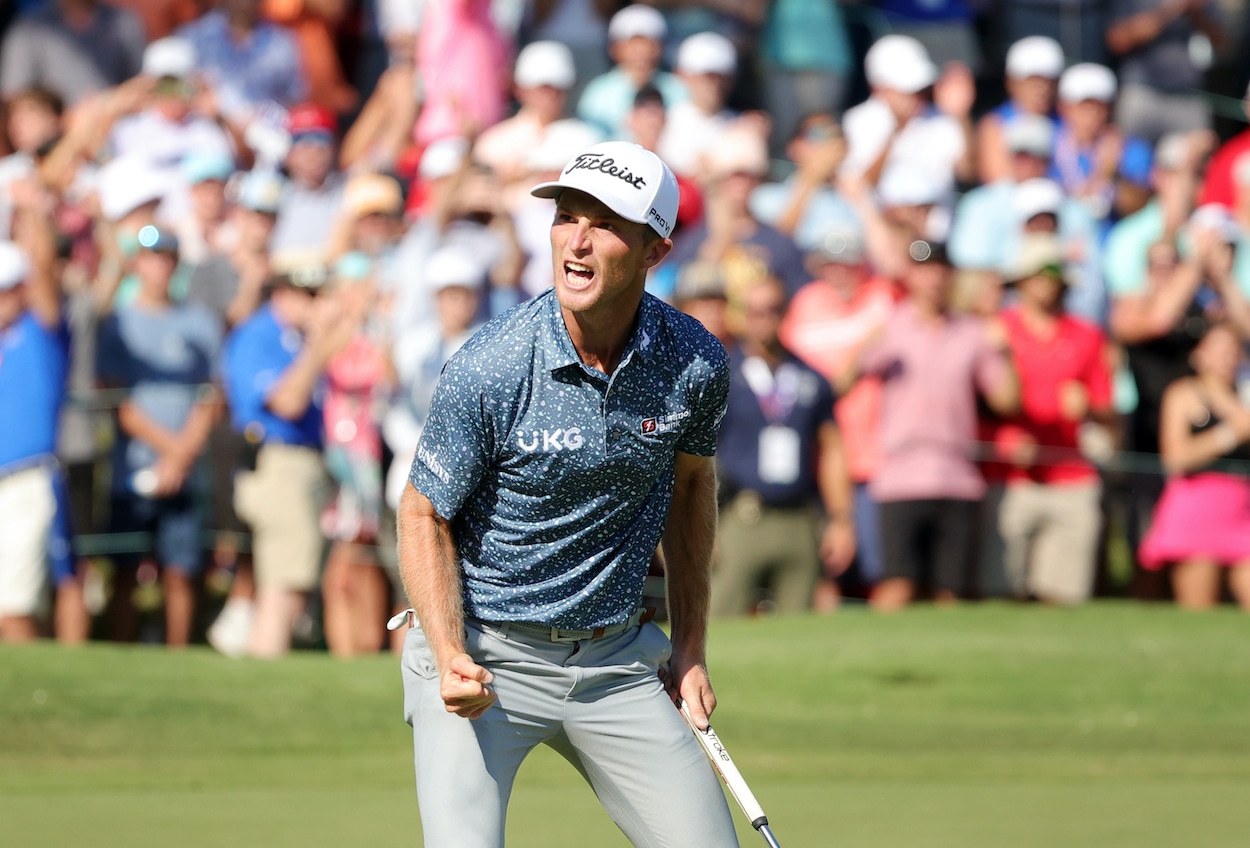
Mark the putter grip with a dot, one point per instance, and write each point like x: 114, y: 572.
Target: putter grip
x: 724, y: 764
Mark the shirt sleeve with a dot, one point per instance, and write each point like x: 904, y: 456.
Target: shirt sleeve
x: 457, y: 443
x: 699, y: 439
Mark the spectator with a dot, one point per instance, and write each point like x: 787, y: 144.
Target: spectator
x: 370, y: 223
x: 636, y: 43
x: 1034, y: 65
x: 1201, y: 523
x: 129, y: 193
x: 1162, y: 81
x: 462, y: 62
x: 274, y: 364
x: 1219, y: 182
x: 32, y: 121
x: 1050, y: 517
x: 543, y: 77
x: 201, y: 232
x: 231, y: 280
x: 901, y: 125
x: 706, y: 65
x: 807, y: 60
x: 729, y: 234
x: 382, y: 133
x: 828, y: 324
x: 781, y: 454
x: 933, y: 364
x: 72, y: 48
x: 34, y: 349
x: 700, y: 293
x: 582, y: 25
x: 314, y: 192
x: 247, y: 61
x: 807, y: 204
x: 1089, y: 151
x: 317, y: 27
x: 164, y: 357
x: 162, y: 124
x: 353, y: 587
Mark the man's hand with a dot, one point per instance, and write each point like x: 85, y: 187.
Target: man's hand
x: 688, y: 681
x: 463, y: 687
x: 837, y: 546
x: 1073, y: 400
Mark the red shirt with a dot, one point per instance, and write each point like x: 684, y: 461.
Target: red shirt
x: 1076, y: 352
x: 1218, y: 186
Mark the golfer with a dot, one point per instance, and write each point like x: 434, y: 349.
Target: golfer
x: 566, y: 440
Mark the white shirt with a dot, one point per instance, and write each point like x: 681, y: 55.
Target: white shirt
x: 932, y: 142
x: 689, y: 133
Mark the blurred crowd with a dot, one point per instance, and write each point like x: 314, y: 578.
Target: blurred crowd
x: 981, y: 268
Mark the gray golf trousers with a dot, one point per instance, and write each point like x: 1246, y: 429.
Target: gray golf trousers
x: 597, y: 702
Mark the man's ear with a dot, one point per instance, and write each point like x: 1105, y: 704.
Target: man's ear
x: 658, y: 251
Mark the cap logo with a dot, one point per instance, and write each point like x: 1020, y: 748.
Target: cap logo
x: 658, y: 218
x: 606, y: 165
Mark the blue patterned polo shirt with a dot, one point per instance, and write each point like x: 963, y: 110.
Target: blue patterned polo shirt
x: 557, y: 479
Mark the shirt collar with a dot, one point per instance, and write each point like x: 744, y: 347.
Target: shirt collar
x: 560, y: 353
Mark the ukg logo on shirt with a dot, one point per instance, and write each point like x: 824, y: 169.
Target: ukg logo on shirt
x: 550, y: 441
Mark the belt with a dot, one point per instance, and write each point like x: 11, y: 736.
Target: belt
x: 562, y: 634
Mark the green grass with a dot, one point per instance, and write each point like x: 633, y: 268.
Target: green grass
x: 1114, y: 725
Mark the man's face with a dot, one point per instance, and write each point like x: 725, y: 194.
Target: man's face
x: 1044, y: 222
x: 374, y: 232
x: 707, y: 91
x: 844, y: 278
x: 1086, y: 118
x: 1042, y: 290
x: 763, y: 307
x: 600, y: 260
x: 545, y: 101
x: 646, y: 124
x: 637, y: 52
x: 31, y: 124
x: 12, y: 303
x: 310, y: 161
x: 208, y: 197
x: 255, y: 228
x: 457, y: 307
x: 1027, y: 166
x: 1033, y: 94
x: 929, y: 281
x: 154, y: 270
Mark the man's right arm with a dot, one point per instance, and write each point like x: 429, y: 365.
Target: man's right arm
x: 430, y: 570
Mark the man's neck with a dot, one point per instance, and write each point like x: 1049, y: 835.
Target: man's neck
x: 600, y: 343
x: 1039, y: 319
x: 771, y: 354
x: 927, y: 310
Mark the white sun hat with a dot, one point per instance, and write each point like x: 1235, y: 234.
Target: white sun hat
x: 1087, y: 81
x: 900, y: 63
x: 1035, y: 56
x: 630, y: 180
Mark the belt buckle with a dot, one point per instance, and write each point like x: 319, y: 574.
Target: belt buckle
x: 558, y: 635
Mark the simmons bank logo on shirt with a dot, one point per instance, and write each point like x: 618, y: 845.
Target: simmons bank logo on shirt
x: 664, y: 424
x: 551, y: 440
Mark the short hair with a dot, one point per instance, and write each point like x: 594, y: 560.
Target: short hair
x: 39, y: 96
x: 649, y: 95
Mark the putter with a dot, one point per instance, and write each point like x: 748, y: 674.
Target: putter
x: 725, y: 767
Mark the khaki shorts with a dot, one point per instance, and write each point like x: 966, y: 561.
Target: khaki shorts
x: 281, y: 501
x: 27, y: 508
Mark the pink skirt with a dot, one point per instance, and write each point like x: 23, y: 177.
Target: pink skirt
x: 1206, y: 516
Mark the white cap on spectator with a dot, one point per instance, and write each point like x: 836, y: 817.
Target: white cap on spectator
x: 630, y: 180
x: 545, y: 63
x: 1087, y: 81
x: 126, y: 183
x: 14, y: 266
x: 1035, y: 56
x: 398, y: 16
x: 912, y: 185
x: 443, y: 158
x: 169, y: 57
x: 453, y: 266
x: 741, y: 149
x: 1038, y: 252
x: 637, y: 20
x: 1036, y: 197
x: 901, y: 63
x: 1217, y: 217
x: 260, y: 191
x: 707, y: 53
x: 1030, y: 134
x: 562, y: 141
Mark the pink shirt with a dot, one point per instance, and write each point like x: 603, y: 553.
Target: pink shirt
x: 930, y: 374
x: 463, y: 62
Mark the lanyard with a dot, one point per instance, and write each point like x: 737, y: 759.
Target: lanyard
x: 776, y: 393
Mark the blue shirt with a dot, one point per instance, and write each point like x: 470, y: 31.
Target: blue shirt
x: 264, y: 67
x: 609, y: 98
x: 257, y: 353
x: 795, y: 398
x: 163, y: 358
x: 557, y: 479
x: 33, y: 364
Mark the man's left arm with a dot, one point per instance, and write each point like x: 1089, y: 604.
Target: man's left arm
x: 687, y: 543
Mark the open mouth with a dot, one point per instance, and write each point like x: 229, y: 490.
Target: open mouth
x: 578, y: 274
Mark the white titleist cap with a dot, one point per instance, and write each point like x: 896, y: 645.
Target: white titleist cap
x: 1087, y: 81
x: 631, y: 181
x: 1035, y: 56
x: 545, y: 63
x: 14, y: 266
x: 707, y: 53
x: 900, y: 63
